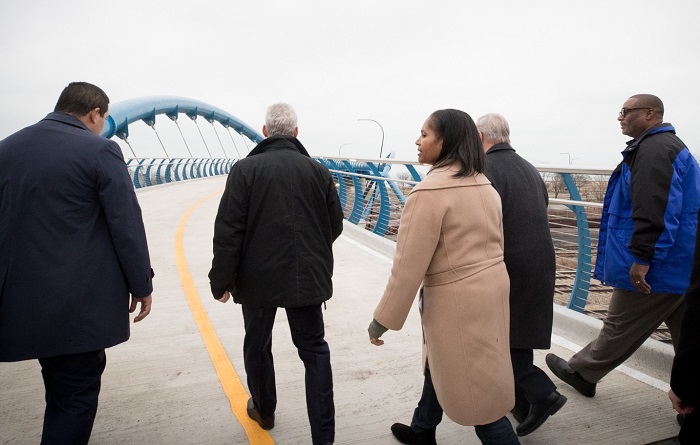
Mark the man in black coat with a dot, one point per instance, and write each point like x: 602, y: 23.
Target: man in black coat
x: 530, y: 260
x: 73, y: 250
x: 685, y: 376
x: 273, y: 236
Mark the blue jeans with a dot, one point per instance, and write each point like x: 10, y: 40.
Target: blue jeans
x: 428, y: 415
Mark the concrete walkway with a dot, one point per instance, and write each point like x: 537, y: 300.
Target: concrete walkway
x: 164, y: 386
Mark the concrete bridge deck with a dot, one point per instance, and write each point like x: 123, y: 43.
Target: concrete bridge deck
x: 177, y: 380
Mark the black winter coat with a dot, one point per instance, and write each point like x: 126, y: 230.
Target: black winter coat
x: 274, y: 231
x: 528, y: 249
x: 685, y: 376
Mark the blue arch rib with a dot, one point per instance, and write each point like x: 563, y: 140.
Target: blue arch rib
x: 121, y: 114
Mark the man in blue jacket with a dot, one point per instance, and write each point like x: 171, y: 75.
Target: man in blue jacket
x: 273, y: 248
x: 73, y: 248
x: 645, y: 246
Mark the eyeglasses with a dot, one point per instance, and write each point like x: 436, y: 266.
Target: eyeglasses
x: 625, y: 111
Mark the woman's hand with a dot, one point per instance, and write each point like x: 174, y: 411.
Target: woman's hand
x: 376, y: 341
x: 376, y: 330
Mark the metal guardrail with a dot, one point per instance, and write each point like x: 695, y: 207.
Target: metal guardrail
x: 146, y: 172
x: 372, y: 194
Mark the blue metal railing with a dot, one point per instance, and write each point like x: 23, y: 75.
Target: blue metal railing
x: 155, y: 171
x: 370, y: 196
x: 373, y: 195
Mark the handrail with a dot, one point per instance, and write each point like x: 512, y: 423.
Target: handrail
x: 146, y: 172
x: 372, y: 193
x: 371, y: 196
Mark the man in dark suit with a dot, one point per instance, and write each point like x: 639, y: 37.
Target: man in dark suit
x: 273, y: 237
x: 73, y: 250
x: 685, y: 376
x: 529, y: 256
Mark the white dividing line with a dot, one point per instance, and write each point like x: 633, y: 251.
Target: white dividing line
x: 649, y: 380
x: 367, y: 249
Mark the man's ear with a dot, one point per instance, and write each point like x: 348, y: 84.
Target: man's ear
x: 265, y: 131
x: 94, y: 115
x: 296, y: 132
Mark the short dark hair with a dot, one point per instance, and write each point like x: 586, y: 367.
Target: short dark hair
x: 460, y: 141
x: 78, y: 98
x: 651, y: 101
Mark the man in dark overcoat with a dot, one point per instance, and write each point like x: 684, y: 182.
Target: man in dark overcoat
x: 273, y: 236
x: 685, y: 375
x: 73, y: 250
x: 529, y: 256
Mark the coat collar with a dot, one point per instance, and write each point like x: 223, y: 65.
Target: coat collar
x: 658, y: 128
x: 443, y: 177
x: 279, y: 143
x: 501, y: 146
x: 65, y: 118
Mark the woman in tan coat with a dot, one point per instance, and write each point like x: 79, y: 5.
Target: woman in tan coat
x: 451, y: 241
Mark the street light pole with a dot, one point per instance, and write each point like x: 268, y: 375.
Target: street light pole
x: 380, y: 126
x: 567, y: 154
x: 343, y: 145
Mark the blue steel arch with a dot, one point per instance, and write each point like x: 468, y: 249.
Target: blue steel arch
x: 121, y: 114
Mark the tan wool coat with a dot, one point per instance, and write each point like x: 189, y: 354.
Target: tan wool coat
x: 451, y: 241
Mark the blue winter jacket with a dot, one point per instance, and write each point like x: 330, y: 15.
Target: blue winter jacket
x: 650, y: 213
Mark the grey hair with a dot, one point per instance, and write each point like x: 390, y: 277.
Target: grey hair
x: 494, y: 127
x: 280, y: 120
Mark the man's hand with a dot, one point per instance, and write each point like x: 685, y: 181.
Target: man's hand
x: 638, y: 273
x: 224, y: 298
x: 145, y: 307
x: 678, y: 403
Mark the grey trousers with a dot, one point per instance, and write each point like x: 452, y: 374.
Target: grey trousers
x: 632, y: 318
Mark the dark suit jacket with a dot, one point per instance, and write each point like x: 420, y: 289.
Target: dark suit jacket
x: 685, y: 376
x: 73, y: 244
x: 528, y: 249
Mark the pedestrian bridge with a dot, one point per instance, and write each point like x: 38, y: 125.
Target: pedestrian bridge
x: 181, y: 380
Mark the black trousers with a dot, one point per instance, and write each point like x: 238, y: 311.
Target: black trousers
x: 72, y: 383
x: 690, y: 431
x: 307, y: 329
x: 532, y: 385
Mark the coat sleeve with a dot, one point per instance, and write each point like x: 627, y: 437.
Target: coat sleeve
x: 124, y: 219
x: 229, y: 233
x: 419, y: 233
x: 685, y: 375
x: 657, y: 202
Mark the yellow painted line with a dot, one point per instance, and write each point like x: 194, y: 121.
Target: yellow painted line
x: 236, y: 393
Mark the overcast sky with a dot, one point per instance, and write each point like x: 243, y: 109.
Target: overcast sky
x: 558, y: 70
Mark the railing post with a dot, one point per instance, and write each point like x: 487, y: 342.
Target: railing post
x: 384, y: 205
x: 342, y: 188
x: 358, y: 202
x: 582, y: 280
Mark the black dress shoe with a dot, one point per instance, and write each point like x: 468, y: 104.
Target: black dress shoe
x: 406, y: 435
x: 539, y: 412
x: 266, y: 423
x: 561, y: 369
